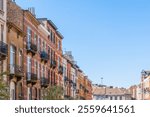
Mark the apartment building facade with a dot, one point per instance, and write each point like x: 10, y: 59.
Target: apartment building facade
x: 15, y: 37
x: 88, y: 88
x: 133, y: 91
x: 145, y: 85
x: 139, y: 91
x: 101, y: 92
x: 68, y: 81
x: 32, y: 66
x: 43, y: 58
x: 31, y: 53
x: 70, y: 76
x: 76, y: 84
x: 80, y: 85
x: 3, y: 41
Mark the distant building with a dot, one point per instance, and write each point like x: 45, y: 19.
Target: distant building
x: 133, y: 91
x: 76, y: 83
x: 139, y: 92
x: 145, y: 85
x: 101, y: 92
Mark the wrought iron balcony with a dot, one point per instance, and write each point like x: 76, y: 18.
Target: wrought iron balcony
x: 3, y: 50
x: 31, y: 77
x: 74, y: 85
x: 53, y: 64
x: 60, y: 69
x: 16, y: 70
x: 44, y: 82
x: 31, y: 48
x: 44, y: 56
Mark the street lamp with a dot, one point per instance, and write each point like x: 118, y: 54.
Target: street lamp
x: 101, y: 80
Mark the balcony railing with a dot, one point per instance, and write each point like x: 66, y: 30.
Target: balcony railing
x: 31, y: 77
x: 31, y: 48
x: 53, y: 64
x: 60, y: 69
x: 74, y: 85
x: 44, y: 82
x: 16, y: 70
x: 3, y: 50
x: 44, y: 56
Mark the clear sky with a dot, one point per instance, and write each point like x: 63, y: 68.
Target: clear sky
x: 108, y: 38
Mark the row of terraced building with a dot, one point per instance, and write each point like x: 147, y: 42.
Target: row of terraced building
x: 31, y: 53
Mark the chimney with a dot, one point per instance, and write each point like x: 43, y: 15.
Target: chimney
x: 32, y: 11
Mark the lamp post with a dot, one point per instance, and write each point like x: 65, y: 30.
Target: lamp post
x: 101, y: 80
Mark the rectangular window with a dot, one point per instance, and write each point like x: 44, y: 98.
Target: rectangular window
x: 12, y: 59
x: 38, y: 44
x: 35, y: 66
x: 13, y: 94
x: 1, y: 4
x: 59, y: 45
x: 58, y: 62
x: 35, y: 38
x: 38, y: 70
x: 28, y: 64
x: 2, y: 33
x: 39, y: 91
x: 51, y: 54
x: 43, y: 46
x: 51, y: 36
x: 20, y: 58
x: 44, y: 70
x: 28, y: 68
x: 29, y: 93
x: 28, y: 35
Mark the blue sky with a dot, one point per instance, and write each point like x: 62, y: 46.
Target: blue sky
x: 108, y: 38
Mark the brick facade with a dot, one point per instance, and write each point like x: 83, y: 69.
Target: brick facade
x: 35, y: 61
x: 15, y: 37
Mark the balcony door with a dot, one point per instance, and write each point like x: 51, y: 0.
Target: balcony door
x: 1, y: 5
x: 29, y: 68
x: 28, y: 37
x: 2, y: 32
x: 12, y: 59
x: 12, y: 91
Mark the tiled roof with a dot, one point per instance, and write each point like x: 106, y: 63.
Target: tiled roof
x: 109, y: 91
